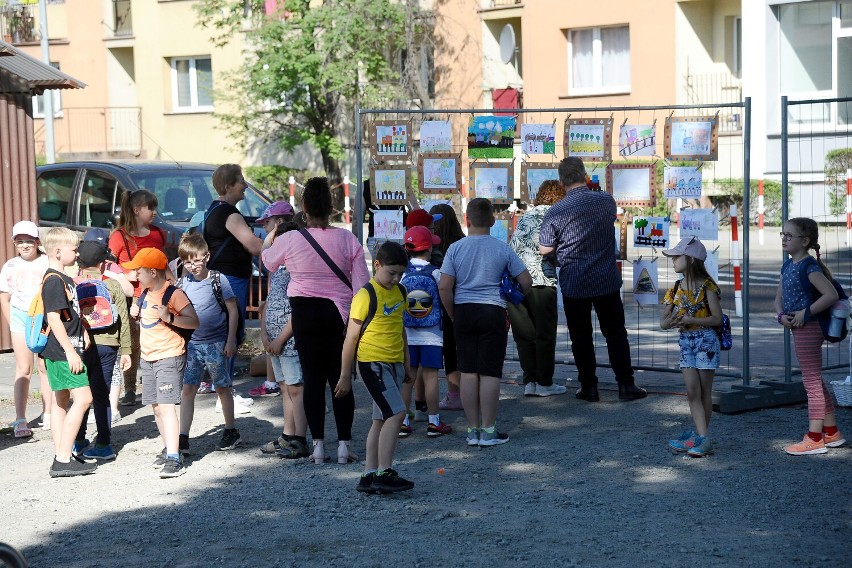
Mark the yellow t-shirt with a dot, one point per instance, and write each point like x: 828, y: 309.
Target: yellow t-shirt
x: 687, y: 304
x: 156, y: 339
x: 382, y: 340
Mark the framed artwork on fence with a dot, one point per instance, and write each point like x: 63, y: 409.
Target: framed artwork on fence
x: 682, y: 182
x: 692, y: 138
x: 490, y: 136
x: 589, y: 138
x: 533, y: 175
x: 504, y: 226
x: 439, y: 173
x: 651, y: 232
x: 390, y: 184
x: 436, y: 136
x: 632, y: 185
x: 390, y: 140
x: 637, y: 140
x: 495, y: 180
x: 597, y: 170
x: 388, y: 224
x: 538, y: 138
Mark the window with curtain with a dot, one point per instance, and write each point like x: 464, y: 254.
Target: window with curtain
x: 599, y: 60
x: 38, y: 100
x: 192, y: 83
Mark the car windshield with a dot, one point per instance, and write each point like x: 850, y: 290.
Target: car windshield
x: 182, y: 193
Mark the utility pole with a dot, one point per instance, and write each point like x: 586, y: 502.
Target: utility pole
x: 49, y: 144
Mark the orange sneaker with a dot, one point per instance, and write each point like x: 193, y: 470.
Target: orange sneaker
x: 806, y: 447
x: 834, y: 441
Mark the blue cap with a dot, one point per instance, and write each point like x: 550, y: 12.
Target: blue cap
x: 97, y: 235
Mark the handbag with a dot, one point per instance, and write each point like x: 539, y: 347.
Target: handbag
x: 510, y: 289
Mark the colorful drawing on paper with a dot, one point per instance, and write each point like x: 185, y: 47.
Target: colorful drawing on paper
x: 388, y: 224
x: 637, y: 140
x: 651, y: 232
x: 700, y: 223
x: 538, y: 138
x: 537, y: 176
x: 390, y: 185
x: 491, y: 137
x: 711, y: 263
x: 631, y: 185
x: 439, y: 174
x: 645, y: 283
x: 492, y: 183
x: 586, y: 140
x: 597, y: 174
x: 683, y: 182
x: 500, y: 230
x: 691, y: 138
x: 392, y: 140
x: 436, y: 136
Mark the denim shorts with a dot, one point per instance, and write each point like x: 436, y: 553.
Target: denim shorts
x: 699, y: 349
x: 17, y: 319
x: 209, y: 357
x: 287, y: 370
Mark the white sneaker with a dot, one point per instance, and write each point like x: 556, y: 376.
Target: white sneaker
x: 116, y: 418
x: 550, y: 391
x: 239, y: 408
x: 530, y: 389
x: 241, y: 400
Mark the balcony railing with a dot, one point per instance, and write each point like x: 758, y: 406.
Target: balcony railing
x: 503, y: 3
x: 715, y: 89
x: 97, y: 130
x: 122, y: 18
x: 18, y: 24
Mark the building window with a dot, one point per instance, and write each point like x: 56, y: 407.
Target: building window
x: 192, y: 84
x: 599, y: 60
x: 38, y: 100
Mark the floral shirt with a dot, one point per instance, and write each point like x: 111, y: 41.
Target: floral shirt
x: 691, y: 303
x: 525, y: 243
x: 278, y: 310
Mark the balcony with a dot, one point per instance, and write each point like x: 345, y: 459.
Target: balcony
x: 491, y: 9
x: 717, y: 88
x: 122, y: 18
x: 96, y: 133
x: 18, y: 24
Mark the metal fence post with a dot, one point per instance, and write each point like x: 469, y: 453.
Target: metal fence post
x: 746, y: 234
x: 358, y: 223
x: 785, y: 212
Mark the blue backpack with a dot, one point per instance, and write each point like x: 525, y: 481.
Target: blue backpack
x: 824, y: 317
x: 97, y: 308
x: 424, y: 302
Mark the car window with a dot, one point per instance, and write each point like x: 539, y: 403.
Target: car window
x: 98, y: 200
x: 55, y: 189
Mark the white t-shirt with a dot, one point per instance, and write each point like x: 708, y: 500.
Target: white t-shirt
x: 21, y: 279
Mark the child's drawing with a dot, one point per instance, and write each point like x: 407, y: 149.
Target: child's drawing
x: 637, y: 140
x: 590, y: 139
x: 436, y: 136
x: 691, y: 138
x: 645, y: 282
x: 538, y: 138
x: 631, y: 185
x: 388, y: 224
x: 701, y: 223
x: 491, y: 137
x: 439, y: 173
x: 492, y: 183
x: 684, y: 182
x: 533, y: 177
x: 390, y: 184
x: 391, y: 139
x: 651, y: 232
x: 500, y: 230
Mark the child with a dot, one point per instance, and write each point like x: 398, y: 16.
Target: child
x: 162, y: 349
x: 796, y: 309
x: 19, y: 282
x: 470, y: 292
x: 63, y: 354
x: 423, y: 326
x: 101, y: 358
x: 693, y: 307
x: 375, y: 332
x: 213, y: 341
x: 135, y: 232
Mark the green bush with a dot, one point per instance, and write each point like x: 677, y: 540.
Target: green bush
x: 836, y: 164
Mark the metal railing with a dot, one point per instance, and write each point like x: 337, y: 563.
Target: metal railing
x: 717, y: 88
x: 98, y: 129
x: 18, y: 24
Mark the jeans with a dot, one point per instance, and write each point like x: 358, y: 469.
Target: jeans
x: 534, y: 329
x: 100, y: 362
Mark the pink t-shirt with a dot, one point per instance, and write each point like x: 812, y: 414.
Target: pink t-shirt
x: 311, y: 276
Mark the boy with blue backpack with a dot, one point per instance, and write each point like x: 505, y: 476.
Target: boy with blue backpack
x: 422, y: 320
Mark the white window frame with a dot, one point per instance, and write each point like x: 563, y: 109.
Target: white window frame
x: 736, y: 64
x: 193, y: 85
x: 597, y: 66
x: 57, y: 104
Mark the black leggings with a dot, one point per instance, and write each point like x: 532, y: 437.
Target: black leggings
x: 319, y: 331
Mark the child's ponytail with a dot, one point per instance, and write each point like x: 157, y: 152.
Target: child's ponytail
x: 130, y: 201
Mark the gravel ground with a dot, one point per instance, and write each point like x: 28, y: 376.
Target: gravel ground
x: 578, y: 484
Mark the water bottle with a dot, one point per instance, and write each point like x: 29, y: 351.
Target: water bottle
x: 839, y: 312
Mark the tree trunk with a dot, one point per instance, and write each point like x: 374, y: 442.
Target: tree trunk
x: 332, y: 169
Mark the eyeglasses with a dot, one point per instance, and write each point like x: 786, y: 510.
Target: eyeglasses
x: 25, y: 243
x: 196, y: 261
x: 789, y: 236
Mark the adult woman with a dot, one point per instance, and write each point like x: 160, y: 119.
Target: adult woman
x: 321, y: 290
x: 450, y: 231
x: 534, y: 320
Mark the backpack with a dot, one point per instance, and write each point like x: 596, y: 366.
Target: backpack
x: 36, y: 328
x: 723, y: 332
x: 824, y: 317
x: 216, y: 283
x: 97, y: 309
x: 424, y: 303
x: 185, y: 333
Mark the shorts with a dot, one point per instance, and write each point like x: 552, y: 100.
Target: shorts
x: 287, y: 369
x: 481, y: 337
x: 17, y: 317
x: 60, y: 377
x: 383, y: 381
x: 208, y: 357
x: 699, y: 349
x: 429, y: 356
x: 161, y: 380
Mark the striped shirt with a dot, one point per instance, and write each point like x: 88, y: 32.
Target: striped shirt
x: 581, y: 229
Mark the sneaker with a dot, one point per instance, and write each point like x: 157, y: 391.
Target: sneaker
x: 405, y: 431
x: 79, y: 446
x: 365, y: 484
x: 473, y: 436
x: 99, y: 452
x: 420, y: 416
x: 241, y: 400
x: 529, y: 389
x: 389, y: 481
x: 683, y: 442
x: 205, y: 388
x: 441, y: 429
x: 807, y: 447
x: 160, y: 460
x: 550, y: 390
x: 492, y: 437
x: 450, y: 402
x: 230, y: 440
x: 703, y: 447
x: 263, y: 390
x: 173, y: 468
x: 116, y: 418
x: 129, y: 399
x: 183, y: 443
x: 73, y: 468
x: 239, y: 407
x: 833, y: 441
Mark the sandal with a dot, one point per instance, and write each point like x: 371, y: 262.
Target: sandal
x: 21, y: 429
x: 344, y: 454
x: 295, y: 450
x: 275, y: 446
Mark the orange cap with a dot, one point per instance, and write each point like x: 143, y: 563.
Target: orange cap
x: 147, y: 258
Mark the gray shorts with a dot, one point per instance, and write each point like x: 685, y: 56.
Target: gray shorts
x: 384, y: 380
x: 162, y: 380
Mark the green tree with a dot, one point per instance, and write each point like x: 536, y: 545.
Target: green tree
x: 837, y: 162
